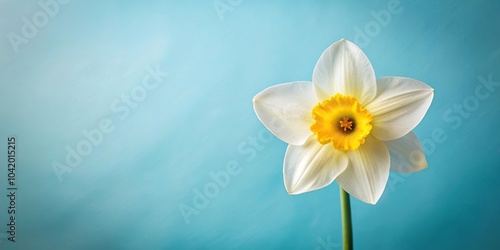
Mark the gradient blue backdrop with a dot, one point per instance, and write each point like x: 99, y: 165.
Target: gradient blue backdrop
x: 128, y: 193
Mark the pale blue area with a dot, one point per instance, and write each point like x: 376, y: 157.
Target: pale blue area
x: 126, y: 193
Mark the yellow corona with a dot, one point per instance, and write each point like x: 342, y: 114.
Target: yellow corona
x: 342, y: 121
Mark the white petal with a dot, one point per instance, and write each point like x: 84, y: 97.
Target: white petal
x: 311, y: 166
x: 399, y: 106
x: 406, y: 153
x: 344, y: 68
x: 286, y: 110
x: 368, y: 170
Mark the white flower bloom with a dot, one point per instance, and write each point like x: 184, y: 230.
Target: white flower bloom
x: 346, y: 125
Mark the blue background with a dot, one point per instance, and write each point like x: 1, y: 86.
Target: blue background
x: 129, y: 191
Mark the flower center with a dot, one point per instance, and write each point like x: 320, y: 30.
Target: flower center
x: 346, y: 124
x: 342, y: 121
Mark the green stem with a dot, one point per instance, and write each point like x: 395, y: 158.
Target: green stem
x: 345, y: 204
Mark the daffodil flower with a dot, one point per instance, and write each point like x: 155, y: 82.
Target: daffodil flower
x: 346, y: 125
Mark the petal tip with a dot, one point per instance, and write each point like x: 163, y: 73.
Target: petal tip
x: 371, y: 200
x: 423, y: 167
x: 374, y: 200
x: 290, y: 192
